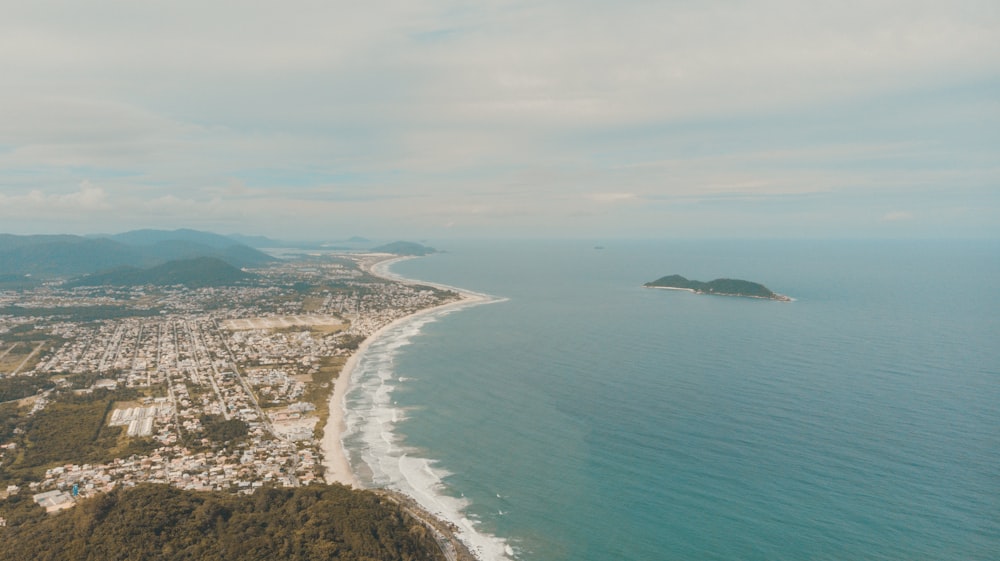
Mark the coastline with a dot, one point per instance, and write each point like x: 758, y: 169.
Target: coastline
x: 337, y: 469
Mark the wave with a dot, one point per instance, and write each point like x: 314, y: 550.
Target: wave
x: 377, y: 452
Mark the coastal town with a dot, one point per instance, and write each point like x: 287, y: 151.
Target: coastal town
x: 221, y: 388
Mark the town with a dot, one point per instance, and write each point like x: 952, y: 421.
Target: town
x: 220, y: 388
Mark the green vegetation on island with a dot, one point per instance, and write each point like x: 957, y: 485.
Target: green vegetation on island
x: 721, y: 287
x: 152, y: 521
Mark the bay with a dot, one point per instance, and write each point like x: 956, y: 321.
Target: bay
x: 581, y: 416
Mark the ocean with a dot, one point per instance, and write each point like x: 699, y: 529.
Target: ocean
x: 579, y: 416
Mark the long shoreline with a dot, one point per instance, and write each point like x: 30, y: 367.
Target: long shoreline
x: 337, y: 468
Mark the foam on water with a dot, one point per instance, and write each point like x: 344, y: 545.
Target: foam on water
x: 380, y: 456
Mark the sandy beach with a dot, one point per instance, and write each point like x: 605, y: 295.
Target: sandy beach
x: 337, y: 468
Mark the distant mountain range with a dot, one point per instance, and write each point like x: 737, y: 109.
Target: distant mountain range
x: 158, y: 257
x: 153, y: 237
x: 49, y: 256
x: 198, y: 272
x: 352, y: 243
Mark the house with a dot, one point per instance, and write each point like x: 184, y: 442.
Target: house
x: 53, y: 501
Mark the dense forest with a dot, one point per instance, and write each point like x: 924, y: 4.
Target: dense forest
x: 157, y: 522
x: 19, y: 387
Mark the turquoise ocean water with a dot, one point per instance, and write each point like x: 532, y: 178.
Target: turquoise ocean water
x: 582, y: 417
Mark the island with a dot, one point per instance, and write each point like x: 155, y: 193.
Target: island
x: 720, y: 287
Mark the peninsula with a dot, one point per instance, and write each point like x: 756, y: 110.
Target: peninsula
x: 721, y: 287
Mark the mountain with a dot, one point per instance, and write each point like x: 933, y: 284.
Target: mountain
x: 237, y: 255
x: 66, y: 255
x: 257, y: 241
x: 62, y: 255
x: 404, y: 248
x: 353, y: 243
x: 152, y: 237
x: 10, y: 241
x: 722, y: 287
x: 166, y: 245
x: 199, y: 272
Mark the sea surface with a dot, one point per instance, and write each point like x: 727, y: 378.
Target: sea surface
x: 579, y: 416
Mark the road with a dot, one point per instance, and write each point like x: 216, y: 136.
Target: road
x: 27, y: 358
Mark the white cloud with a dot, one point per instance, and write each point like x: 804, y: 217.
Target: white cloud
x: 897, y: 216
x: 610, y: 197
x: 88, y: 198
x: 223, y: 110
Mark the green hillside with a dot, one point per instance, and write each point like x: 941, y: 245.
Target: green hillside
x: 199, y: 272
x: 65, y: 256
x: 157, y: 522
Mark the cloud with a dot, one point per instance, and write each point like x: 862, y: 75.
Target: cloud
x: 897, y: 216
x: 406, y: 111
x: 89, y: 198
x: 610, y: 197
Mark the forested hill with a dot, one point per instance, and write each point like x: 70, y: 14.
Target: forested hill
x: 199, y: 272
x: 159, y: 522
x: 65, y: 256
x: 723, y: 287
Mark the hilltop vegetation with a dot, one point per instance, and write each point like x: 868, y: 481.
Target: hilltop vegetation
x: 61, y: 255
x: 723, y: 287
x: 158, y: 522
x: 193, y: 273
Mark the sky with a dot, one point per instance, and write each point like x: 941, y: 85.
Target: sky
x: 431, y: 119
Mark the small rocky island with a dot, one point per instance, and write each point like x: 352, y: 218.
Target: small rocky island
x: 721, y: 287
